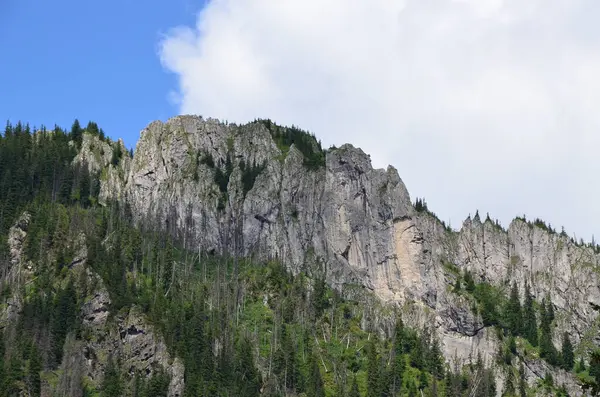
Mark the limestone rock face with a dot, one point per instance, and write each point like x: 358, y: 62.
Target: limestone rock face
x: 128, y: 336
x: 16, y: 239
x: 347, y: 220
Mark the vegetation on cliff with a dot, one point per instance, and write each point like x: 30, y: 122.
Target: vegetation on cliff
x: 241, y: 328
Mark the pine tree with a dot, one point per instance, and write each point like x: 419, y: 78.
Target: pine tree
x: 512, y: 312
x: 595, y: 365
x: 76, y: 132
x: 373, y: 371
x: 435, y: 359
x: 247, y: 374
x: 35, y: 368
x: 547, y: 349
x: 398, y: 364
x: 567, y: 356
x: 530, y: 330
x: 315, y: 387
x: 112, y: 384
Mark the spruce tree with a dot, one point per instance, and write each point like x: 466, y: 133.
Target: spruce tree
x: 373, y: 371
x: 35, y: 368
x: 512, y: 314
x: 530, y: 329
x: 246, y: 373
x: 398, y: 364
x: 112, y: 384
x: 547, y: 349
x: 315, y: 387
x: 76, y: 132
x: 567, y: 356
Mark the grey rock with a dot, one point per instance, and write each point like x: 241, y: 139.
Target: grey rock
x: 349, y: 221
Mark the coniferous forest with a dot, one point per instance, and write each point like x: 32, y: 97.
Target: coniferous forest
x: 240, y: 327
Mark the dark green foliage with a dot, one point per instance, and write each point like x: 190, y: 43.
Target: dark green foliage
x: 457, y: 286
x: 373, y: 371
x: 117, y: 154
x: 208, y: 160
x: 547, y: 349
x: 530, y: 329
x: 469, y: 282
x: 594, y: 371
x: 249, y: 174
x: 156, y: 386
x: 509, y: 384
x: 490, y: 302
x: 76, y: 132
x: 522, y: 381
x: 246, y: 371
x: 320, y: 301
x: 354, y: 392
x: 63, y: 320
x: 421, y: 205
x: 314, y: 387
x: 35, y: 368
x: 567, y: 356
x: 306, y: 143
x: 512, y: 314
x: 239, y: 326
x: 398, y: 365
x: 112, y: 385
x: 33, y: 169
x: 542, y: 225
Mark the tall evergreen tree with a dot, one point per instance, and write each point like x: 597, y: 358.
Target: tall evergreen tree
x: 530, y: 329
x: 512, y: 314
x: 247, y: 375
x: 112, y: 384
x: 373, y: 371
x: 398, y: 364
x: 35, y: 368
x: 567, y: 356
x: 547, y: 348
x: 315, y: 387
x: 76, y: 132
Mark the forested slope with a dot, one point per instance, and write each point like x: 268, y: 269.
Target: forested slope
x: 96, y: 303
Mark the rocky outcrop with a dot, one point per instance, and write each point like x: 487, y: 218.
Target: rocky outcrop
x: 347, y: 220
x: 128, y: 336
x: 16, y: 240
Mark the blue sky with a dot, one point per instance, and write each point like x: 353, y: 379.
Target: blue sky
x: 91, y: 60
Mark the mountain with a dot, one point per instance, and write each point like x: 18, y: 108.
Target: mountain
x: 225, y: 259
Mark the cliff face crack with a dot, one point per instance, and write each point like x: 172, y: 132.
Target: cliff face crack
x: 346, y: 252
x: 262, y: 219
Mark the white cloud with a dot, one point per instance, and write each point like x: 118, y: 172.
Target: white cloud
x: 488, y: 104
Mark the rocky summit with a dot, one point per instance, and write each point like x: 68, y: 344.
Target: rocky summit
x: 354, y: 223
x: 522, y: 299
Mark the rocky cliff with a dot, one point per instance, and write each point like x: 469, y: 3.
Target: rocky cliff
x: 229, y: 188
